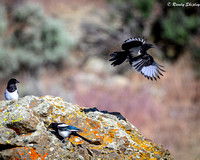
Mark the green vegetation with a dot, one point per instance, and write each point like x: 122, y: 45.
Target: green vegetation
x: 36, y: 40
x: 177, y: 29
x: 144, y: 6
x: 3, y: 20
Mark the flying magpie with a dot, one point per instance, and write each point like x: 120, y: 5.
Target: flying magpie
x: 11, y: 92
x: 65, y: 131
x: 135, y: 51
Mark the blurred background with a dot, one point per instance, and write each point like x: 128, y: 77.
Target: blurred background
x: 61, y: 48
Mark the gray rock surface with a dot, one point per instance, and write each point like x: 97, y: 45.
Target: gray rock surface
x: 24, y: 134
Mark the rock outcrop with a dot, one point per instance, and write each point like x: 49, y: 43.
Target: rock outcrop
x: 24, y: 134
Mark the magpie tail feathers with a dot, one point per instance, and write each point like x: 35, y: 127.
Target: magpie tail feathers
x: 87, y: 140
x: 118, y: 57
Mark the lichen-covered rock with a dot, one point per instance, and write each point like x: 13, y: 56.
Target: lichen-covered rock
x: 24, y: 134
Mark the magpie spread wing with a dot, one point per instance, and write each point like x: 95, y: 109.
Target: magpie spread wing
x: 131, y: 43
x: 147, y: 66
x: 118, y: 57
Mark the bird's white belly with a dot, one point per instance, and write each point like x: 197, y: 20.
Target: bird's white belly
x: 11, y: 95
x: 64, y: 134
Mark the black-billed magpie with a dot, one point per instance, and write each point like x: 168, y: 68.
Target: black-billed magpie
x: 11, y: 92
x: 135, y: 51
x: 65, y: 131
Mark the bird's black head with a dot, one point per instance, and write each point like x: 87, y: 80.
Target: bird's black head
x: 147, y: 46
x: 54, y: 126
x: 12, y: 81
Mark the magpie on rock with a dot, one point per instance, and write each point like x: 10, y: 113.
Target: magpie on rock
x: 135, y: 51
x: 65, y: 131
x: 11, y: 92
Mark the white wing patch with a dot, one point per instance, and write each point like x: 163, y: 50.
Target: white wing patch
x: 66, y: 127
x: 151, y: 72
x: 136, y: 39
x: 62, y: 125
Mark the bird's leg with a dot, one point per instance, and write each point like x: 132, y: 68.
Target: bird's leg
x: 63, y: 140
x: 70, y: 141
x: 72, y: 144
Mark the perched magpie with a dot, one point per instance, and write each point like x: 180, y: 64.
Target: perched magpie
x: 64, y: 131
x: 135, y: 51
x: 11, y: 92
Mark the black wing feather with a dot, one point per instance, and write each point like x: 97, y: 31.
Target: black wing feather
x: 132, y: 42
x: 118, y: 57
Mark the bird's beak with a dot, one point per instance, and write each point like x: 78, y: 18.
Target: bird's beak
x: 48, y: 128
x: 153, y: 46
x: 17, y: 81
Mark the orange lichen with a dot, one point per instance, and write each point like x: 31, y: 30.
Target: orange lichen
x: 108, y: 139
x: 95, y: 130
x: 33, y: 155
x: 93, y: 124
